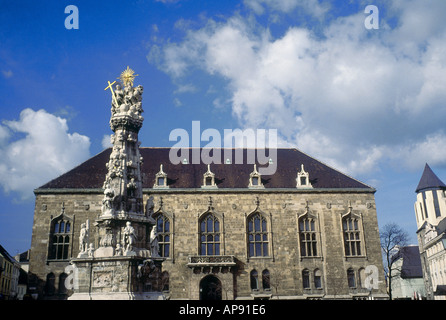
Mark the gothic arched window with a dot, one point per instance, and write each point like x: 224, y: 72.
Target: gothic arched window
x: 306, y: 279
x: 352, y: 239
x: 257, y: 236
x: 318, y: 279
x: 163, y: 233
x: 209, y: 235
x: 307, y: 237
x: 351, y: 278
x: 62, y: 277
x: 266, y: 280
x: 254, y: 276
x: 50, y: 288
x: 60, y: 238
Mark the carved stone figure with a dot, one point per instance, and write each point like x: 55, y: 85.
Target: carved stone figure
x: 118, y: 250
x: 91, y: 250
x: 129, y: 237
x: 83, y: 238
x: 107, y: 202
x: 154, y: 245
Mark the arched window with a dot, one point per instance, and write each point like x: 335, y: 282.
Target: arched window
x: 50, y: 284
x: 62, y: 289
x: 60, y: 239
x: 352, y: 241
x: 266, y: 280
x: 254, y: 278
x: 164, y: 235
x: 351, y: 278
x: 307, y: 237
x: 318, y: 279
x: 306, y: 279
x: 257, y: 236
x: 209, y: 235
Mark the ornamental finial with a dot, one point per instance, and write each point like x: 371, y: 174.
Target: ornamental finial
x: 127, y: 77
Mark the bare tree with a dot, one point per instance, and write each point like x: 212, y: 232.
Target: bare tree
x: 392, y: 239
x: 275, y: 280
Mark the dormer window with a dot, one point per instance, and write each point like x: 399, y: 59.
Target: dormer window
x: 161, y: 179
x: 209, y: 179
x: 303, y: 179
x: 255, y: 180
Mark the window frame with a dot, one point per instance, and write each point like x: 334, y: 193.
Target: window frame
x: 60, y: 238
x: 162, y: 234
x: 308, y: 242
x: 256, y: 238
x: 352, y: 236
x: 210, y: 241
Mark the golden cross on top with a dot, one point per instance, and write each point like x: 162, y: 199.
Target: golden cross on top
x: 111, y: 89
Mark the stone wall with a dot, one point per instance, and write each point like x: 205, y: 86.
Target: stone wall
x: 79, y: 207
x: 280, y: 208
x: 284, y: 262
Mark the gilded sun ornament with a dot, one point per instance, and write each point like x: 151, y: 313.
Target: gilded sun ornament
x: 127, y: 77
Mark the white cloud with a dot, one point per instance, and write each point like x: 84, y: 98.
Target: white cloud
x: 353, y: 98
x: 431, y: 150
x: 313, y: 7
x: 45, y: 151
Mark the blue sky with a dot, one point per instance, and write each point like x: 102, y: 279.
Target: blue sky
x: 367, y: 102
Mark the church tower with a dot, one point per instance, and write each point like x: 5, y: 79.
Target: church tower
x: 430, y: 212
x: 430, y: 206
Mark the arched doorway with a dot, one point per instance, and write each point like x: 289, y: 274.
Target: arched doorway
x: 210, y: 288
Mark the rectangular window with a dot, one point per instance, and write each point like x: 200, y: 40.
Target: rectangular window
x: 210, y: 236
x: 257, y: 236
x: 307, y: 236
x: 436, y: 205
x: 352, y: 241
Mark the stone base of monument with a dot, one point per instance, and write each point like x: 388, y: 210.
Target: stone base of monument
x: 118, y: 296
x: 118, y: 278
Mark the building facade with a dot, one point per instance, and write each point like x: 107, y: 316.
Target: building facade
x: 9, y: 275
x: 225, y: 231
x: 202, y: 223
x: 430, y: 213
x: 407, y: 281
